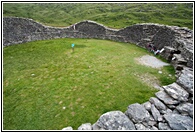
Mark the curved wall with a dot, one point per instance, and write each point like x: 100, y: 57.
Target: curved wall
x: 20, y: 30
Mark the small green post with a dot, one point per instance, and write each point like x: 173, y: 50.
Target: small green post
x: 72, y: 47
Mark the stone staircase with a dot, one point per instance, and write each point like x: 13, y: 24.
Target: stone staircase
x: 148, y: 37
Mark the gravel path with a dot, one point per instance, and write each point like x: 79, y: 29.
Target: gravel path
x: 151, y: 61
x: 154, y: 63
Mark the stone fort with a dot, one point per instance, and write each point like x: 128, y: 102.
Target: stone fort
x: 171, y: 109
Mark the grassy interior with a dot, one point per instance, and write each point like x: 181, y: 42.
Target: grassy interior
x: 47, y: 86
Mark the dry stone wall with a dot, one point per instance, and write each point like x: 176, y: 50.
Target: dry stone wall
x: 21, y: 30
x: 171, y: 109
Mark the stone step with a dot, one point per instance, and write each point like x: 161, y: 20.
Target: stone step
x: 167, y: 53
x: 158, y: 104
x: 146, y: 39
x: 178, y: 59
x: 176, y: 92
x: 179, y: 67
x: 166, y: 99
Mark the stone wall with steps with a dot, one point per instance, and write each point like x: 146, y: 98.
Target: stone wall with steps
x: 171, y: 109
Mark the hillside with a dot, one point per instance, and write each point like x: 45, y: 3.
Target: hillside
x: 115, y: 15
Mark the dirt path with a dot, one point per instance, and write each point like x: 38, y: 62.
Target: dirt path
x: 151, y: 61
x: 154, y: 63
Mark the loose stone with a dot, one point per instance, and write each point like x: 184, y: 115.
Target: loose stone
x: 115, y: 120
x: 137, y: 113
x: 179, y: 122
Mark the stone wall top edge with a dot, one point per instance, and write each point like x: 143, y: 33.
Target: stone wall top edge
x: 94, y: 22
x: 173, y: 28
x: 90, y: 21
x: 46, y: 26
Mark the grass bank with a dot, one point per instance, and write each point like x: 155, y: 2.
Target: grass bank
x: 47, y: 86
x: 114, y: 15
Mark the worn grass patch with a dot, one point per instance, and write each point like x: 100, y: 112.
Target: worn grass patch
x: 47, y: 86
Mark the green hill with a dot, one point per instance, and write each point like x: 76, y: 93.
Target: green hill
x: 115, y: 15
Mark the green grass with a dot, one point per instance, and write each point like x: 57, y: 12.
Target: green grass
x: 114, y: 15
x: 42, y: 77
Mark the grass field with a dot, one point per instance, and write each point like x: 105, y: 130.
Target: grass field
x: 114, y: 15
x: 47, y: 86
